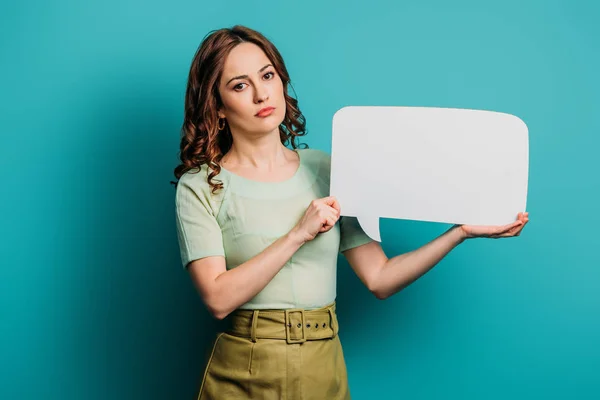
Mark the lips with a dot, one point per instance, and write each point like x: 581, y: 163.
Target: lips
x: 265, y: 112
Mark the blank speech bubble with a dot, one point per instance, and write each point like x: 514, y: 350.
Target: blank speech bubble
x: 445, y: 165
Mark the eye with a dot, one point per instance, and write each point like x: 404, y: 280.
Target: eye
x: 272, y: 74
x: 237, y: 87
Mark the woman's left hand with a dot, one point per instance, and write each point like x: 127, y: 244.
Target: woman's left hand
x: 496, y: 232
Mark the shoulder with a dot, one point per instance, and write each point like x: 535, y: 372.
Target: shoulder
x: 195, y: 178
x: 194, y: 182
x: 316, y: 159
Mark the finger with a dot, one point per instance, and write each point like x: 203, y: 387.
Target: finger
x: 513, y: 225
x: 334, y: 211
x: 504, y: 230
x: 330, y: 220
x: 331, y: 212
x: 332, y: 201
x: 509, y: 232
x: 520, y: 229
x: 337, y: 207
x: 516, y: 231
x: 325, y: 225
x: 328, y: 225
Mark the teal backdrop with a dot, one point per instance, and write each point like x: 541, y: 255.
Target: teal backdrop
x: 94, y: 302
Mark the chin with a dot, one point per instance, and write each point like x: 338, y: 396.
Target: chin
x: 270, y: 128
x: 271, y: 124
x: 266, y: 128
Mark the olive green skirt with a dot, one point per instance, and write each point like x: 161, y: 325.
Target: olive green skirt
x: 277, y: 354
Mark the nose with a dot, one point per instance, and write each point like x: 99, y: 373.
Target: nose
x: 261, y: 94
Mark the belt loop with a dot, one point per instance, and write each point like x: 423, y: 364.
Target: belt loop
x: 254, y: 324
x: 334, y: 323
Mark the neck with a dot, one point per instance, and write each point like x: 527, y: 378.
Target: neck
x: 265, y: 152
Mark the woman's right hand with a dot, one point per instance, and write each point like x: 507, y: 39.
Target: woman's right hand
x: 320, y: 216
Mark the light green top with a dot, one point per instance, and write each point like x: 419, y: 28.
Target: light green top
x: 245, y: 217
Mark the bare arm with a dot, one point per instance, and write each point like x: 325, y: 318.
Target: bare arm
x: 225, y: 290
x: 385, y: 277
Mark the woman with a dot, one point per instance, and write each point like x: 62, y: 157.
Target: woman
x: 259, y: 234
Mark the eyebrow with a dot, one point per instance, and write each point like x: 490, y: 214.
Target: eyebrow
x: 246, y: 76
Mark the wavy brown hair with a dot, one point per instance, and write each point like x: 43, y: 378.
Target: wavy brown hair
x: 201, y: 140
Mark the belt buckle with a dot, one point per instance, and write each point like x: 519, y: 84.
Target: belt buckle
x: 288, y: 324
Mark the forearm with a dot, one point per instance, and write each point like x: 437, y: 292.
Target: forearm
x: 400, y: 271
x: 240, y: 284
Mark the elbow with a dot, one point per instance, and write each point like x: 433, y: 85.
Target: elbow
x: 220, y: 315
x: 380, y: 294
x: 212, y: 292
x: 378, y: 291
x: 217, y: 308
x: 217, y: 312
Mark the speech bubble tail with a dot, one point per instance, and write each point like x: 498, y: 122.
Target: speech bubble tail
x: 371, y: 227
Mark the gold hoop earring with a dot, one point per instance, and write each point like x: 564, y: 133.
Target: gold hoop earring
x: 219, y: 124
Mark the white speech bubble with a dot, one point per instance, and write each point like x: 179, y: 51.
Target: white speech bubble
x: 446, y: 165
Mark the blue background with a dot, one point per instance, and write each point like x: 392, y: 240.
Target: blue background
x: 94, y: 303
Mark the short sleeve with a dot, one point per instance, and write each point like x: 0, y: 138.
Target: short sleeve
x: 198, y: 231
x: 351, y: 234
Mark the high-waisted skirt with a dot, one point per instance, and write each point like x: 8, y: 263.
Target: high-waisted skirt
x: 278, y: 355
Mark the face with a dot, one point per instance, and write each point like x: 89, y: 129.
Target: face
x: 250, y: 83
